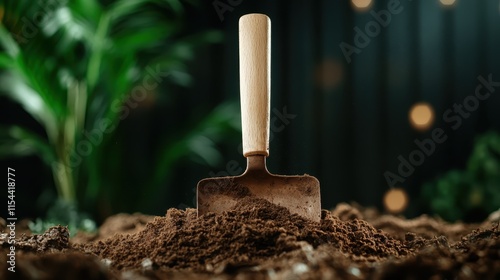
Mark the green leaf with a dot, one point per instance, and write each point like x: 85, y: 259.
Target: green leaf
x: 176, y: 6
x: 199, y: 140
x: 80, y: 43
x: 72, y: 26
x: 17, y: 142
x: 66, y: 214
x: 5, y: 61
x: 119, y: 70
x: 204, y: 148
x: 181, y: 78
x: 8, y: 43
x: 98, y: 45
x: 123, y: 8
x: 142, y: 39
x: 31, y: 101
x: 88, y: 9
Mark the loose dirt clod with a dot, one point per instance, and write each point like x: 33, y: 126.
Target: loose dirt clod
x: 53, y: 240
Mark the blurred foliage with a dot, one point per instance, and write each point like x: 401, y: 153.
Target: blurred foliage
x: 73, y: 66
x: 470, y: 194
x: 64, y: 213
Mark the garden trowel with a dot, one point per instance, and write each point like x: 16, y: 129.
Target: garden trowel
x: 299, y: 194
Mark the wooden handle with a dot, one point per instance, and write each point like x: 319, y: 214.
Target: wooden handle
x: 255, y: 83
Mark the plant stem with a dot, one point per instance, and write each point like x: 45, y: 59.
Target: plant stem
x: 64, y: 181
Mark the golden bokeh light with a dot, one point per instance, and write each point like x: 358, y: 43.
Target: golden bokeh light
x: 361, y: 5
x: 395, y: 200
x: 421, y: 116
x: 329, y: 74
x: 447, y: 2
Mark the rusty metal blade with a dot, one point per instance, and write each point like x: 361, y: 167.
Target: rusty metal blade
x: 299, y: 194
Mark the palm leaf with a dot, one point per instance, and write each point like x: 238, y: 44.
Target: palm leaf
x: 79, y: 68
x: 97, y: 51
x: 199, y: 141
x: 143, y: 38
x: 124, y: 8
x: 8, y: 43
x: 5, y: 61
x: 88, y: 9
x: 31, y: 101
x: 17, y: 142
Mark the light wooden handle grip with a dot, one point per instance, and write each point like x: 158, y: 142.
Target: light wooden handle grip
x: 255, y: 83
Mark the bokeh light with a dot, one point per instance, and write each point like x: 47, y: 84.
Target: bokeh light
x: 328, y: 74
x: 421, y: 116
x: 361, y: 5
x: 395, y: 200
x: 447, y: 2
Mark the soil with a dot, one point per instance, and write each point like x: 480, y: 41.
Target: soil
x: 258, y: 240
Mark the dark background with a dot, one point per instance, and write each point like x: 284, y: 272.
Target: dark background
x: 351, y: 119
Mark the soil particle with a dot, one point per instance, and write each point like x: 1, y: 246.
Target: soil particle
x: 121, y: 223
x: 397, y: 227
x: 494, y: 217
x: 70, y: 265
x: 477, y: 256
x: 346, y: 212
x: 53, y: 240
x: 224, y: 186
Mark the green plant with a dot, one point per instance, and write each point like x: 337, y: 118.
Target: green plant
x: 76, y: 72
x: 63, y: 213
x: 472, y: 193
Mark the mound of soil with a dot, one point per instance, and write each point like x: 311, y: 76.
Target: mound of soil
x: 259, y: 240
